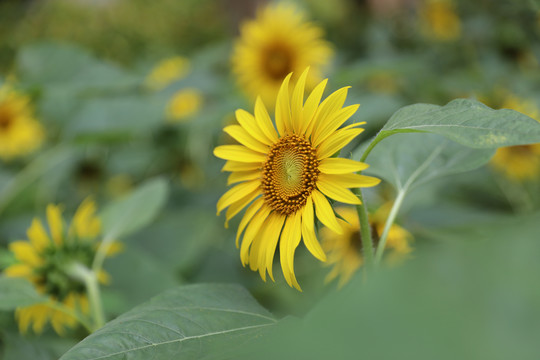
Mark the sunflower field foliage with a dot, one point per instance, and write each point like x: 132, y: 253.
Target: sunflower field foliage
x: 294, y: 179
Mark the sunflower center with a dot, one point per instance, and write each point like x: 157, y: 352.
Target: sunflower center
x: 289, y: 174
x: 277, y: 61
x: 5, y: 119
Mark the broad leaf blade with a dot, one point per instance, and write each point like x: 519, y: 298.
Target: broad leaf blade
x: 467, y: 122
x: 136, y: 210
x: 407, y: 160
x: 191, y: 322
x: 17, y: 292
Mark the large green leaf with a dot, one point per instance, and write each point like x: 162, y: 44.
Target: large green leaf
x: 408, y: 160
x: 134, y: 211
x: 468, y: 122
x: 204, y: 321
x: 469, y: 297
x: 17, y: 292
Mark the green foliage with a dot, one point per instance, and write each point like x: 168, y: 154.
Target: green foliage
x: 16, y: 292
x: 135, y: 211
x: 191, y: 322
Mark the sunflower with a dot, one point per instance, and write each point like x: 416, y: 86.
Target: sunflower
x: 184, y: 104
x: 275, y: 44
x: 20, y: 133
x: 167, y: 71
x: 345, y: 250
x: 43, y: 260
x: 285, y: 173
x: 520, y: 162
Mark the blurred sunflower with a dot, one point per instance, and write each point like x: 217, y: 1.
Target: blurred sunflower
x: 439, y: 20
x: 275, y: 44
x: 184, y: 104
x: 345, y: 250
x: 519, y: 162
x: 288, y: 174
x: 20, y: 132
x: 167, y: 71
x: 44, y: 260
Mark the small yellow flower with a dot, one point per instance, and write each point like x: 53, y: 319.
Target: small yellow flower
x: 521, y: 162
x: 167, y: 71
x: 439, y: 20
x: 285, y: 172
x: 184, y: 104
x: 20, y: 132
x: 345, y: 250
x: 279, y: 41
x: 43, y: 260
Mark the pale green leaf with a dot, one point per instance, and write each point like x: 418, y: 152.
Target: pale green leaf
x: 204, y: 321
x: 408, y: 160
x: 134, y: 211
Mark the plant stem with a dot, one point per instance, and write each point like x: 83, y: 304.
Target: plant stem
x: 90, y: 280
x: 387, y: 225
x: 365, y: 230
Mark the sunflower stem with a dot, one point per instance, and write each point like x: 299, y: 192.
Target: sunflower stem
x: 389, y: 222
x: 365, y: 230
x: 90, y: 280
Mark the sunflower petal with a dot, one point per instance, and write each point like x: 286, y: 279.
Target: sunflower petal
x: 236, y: 193
x: 337, y: 141
x: 240, y: 166
x: 274, y: 223
x: 350, y: 180
x: 239, y: 205
x: 240, y: 134
x: 311, y: 106
x: 308, y: 232
x: 328, y: 108
x: 251, y: 210
x: 37, y: 235
x: 264, y: 121
x: 252, y: 230
x: 239, y: 176
x: 239, y: 153
x: 287, y: 245
x: 328, y: 127
x: 25, y: 253
x: 283, y: 108
x: 54, y: 217
x: 297, y: 102
x: 341, y: 166
x: 324, y: 212
x: 248, y: 122
x: 19, y: 270
x: 337, y: 192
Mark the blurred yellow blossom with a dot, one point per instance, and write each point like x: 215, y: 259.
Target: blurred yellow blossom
x: 20, y: 132
x: 279, y: 41
x: 345, y: 250
x: 184, y: 104
x: 44, y: 260
x: 168, y: 71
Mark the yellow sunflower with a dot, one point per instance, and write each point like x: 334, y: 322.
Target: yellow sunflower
x: 520, y: 162
x: 439, y: 20
x: 275, y: 44
x: 286, y: 172
x: 345, y: 250
x: 43, y: 260
x: 184, y: 104
x: 20, y: 132
x: 167, y: 71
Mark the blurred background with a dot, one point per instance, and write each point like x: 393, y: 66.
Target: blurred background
x: 127, y: 90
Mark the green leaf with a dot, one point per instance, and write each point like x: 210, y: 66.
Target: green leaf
x: 467, y: 122
x: 134, y: 211
x: 17, y: 292
x: 408, y: 160
x: 191, y: 322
